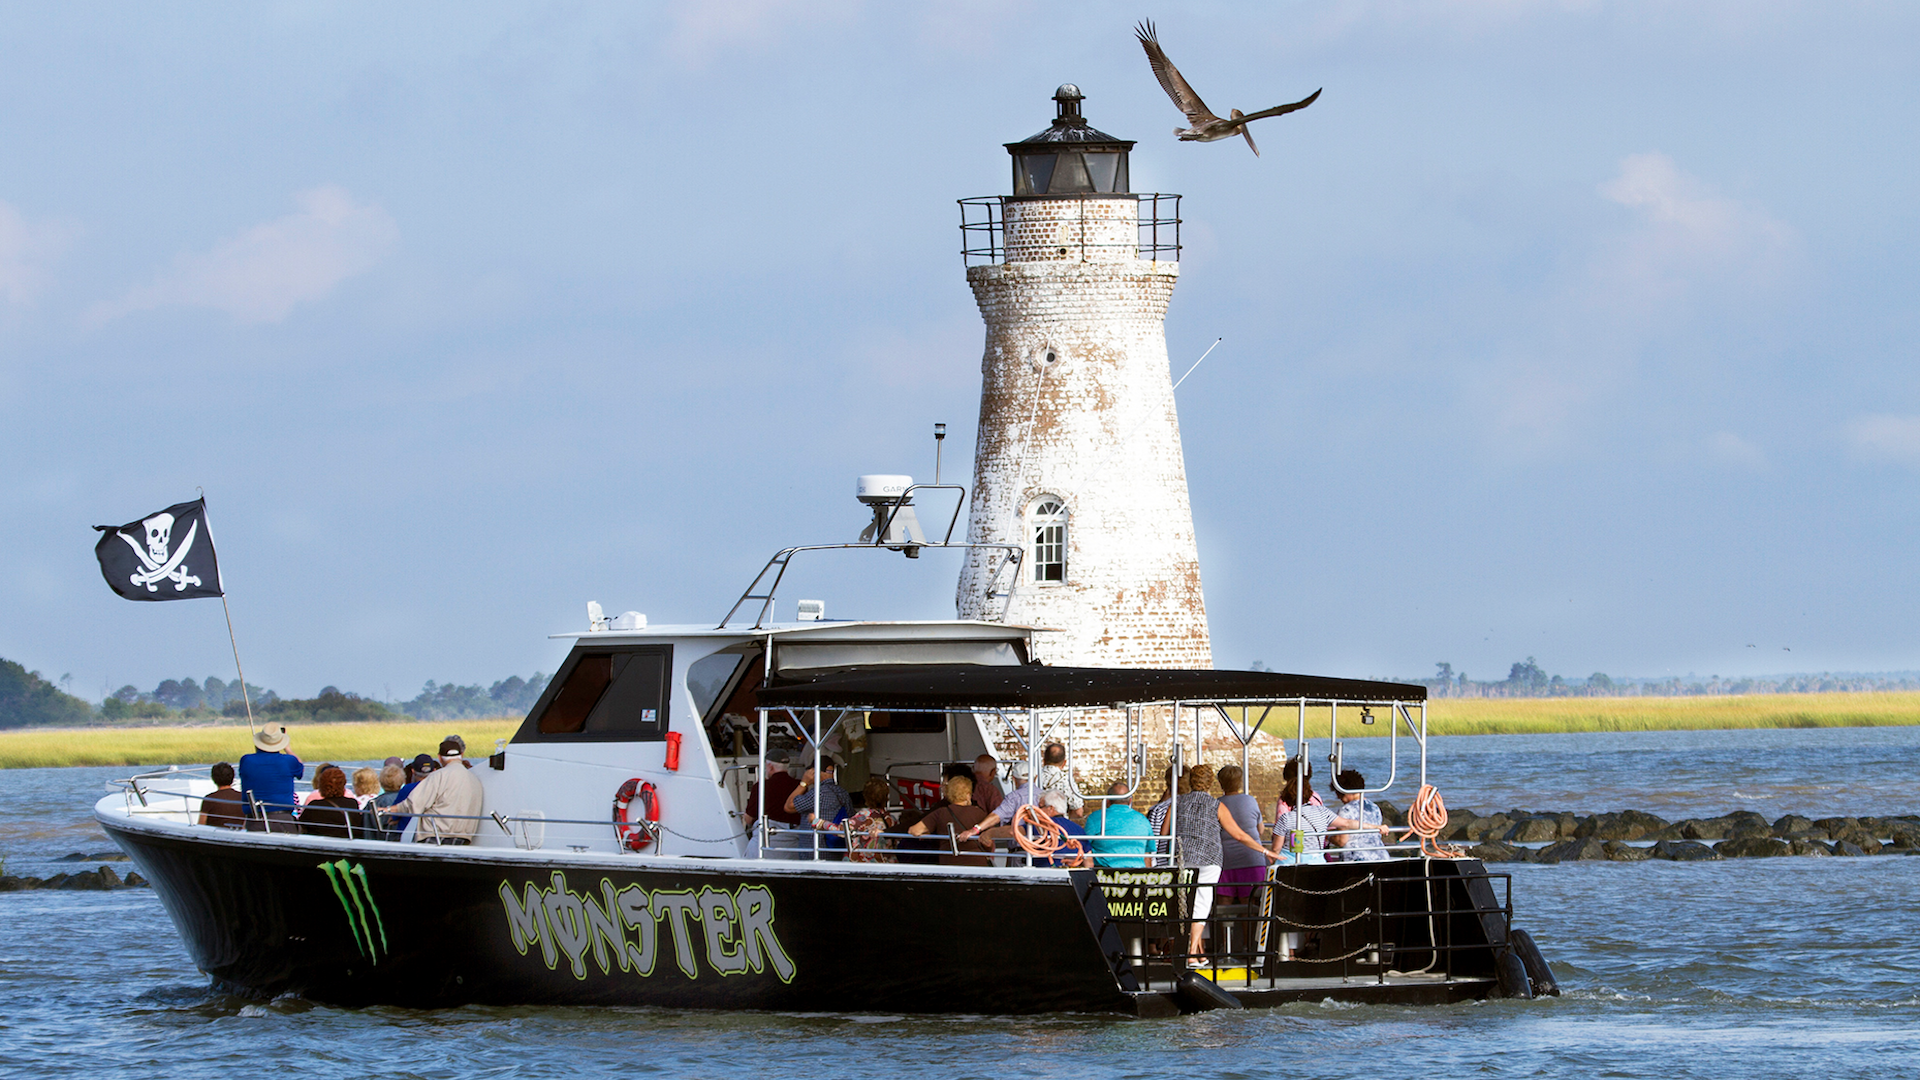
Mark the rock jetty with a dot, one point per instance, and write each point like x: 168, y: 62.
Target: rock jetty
x: 104, y: 879
x: 1632, y: 835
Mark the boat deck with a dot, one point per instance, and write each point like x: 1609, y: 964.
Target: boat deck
x: 1160, y: 995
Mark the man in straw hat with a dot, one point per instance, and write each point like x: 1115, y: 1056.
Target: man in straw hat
x: 267, y: 776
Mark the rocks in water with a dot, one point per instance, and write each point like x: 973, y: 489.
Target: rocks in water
x: 1391, y: 814
x: 1808, y: 847
x: 1856, y: 847
x: 1534, y: 830
x: 81, y: 856
x: 1751, y: 847
x: 1621, y: 851
x: 1747, y: 830
x: 1570, y: 850
x: 1791, y: 824
x: 1458, y: 821
x: 1500, y: 851
x: 1625, y: 825
x: 101, y: 880
x: 1492, y: 827
x: 1683, y: 851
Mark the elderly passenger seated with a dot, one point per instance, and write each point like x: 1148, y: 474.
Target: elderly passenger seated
x: 1120, y: 819
x: 332, y: 812
x: 961, y: 817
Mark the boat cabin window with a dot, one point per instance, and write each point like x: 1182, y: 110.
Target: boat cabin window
x: 605, y: 695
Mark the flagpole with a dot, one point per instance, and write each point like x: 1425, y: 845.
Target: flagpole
x: 231, y: 640
x: 245, y: 697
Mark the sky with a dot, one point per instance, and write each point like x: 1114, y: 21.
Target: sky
x: 1579, y: 331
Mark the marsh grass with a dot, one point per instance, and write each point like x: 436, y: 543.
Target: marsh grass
x: 51, y: 747
x: 1552, y: 716
x: 42, y: 748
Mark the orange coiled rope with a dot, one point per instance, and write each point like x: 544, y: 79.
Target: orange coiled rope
x: 1425, y: 819
x: 1050, y: 836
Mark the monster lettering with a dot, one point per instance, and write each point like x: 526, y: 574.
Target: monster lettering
x: 736, y: 928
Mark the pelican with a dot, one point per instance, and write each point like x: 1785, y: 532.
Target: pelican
x: 1205, y: 127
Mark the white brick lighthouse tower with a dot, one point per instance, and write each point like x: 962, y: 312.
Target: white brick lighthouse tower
x: 1078, y: 456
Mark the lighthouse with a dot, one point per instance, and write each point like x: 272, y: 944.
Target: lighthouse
x: 1078, y: 459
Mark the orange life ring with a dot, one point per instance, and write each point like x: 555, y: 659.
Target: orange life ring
x: 633, y: 836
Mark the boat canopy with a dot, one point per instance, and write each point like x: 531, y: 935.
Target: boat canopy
x: 1029, y: 686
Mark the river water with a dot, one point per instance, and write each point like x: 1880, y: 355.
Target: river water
x: 1747, y: 969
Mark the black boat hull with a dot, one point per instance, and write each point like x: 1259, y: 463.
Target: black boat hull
x: 365, y: 923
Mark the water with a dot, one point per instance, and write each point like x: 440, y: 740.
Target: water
x: 1750, y: 969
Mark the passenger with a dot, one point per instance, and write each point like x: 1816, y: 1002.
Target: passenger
x: 447, y: 802
x: 1054, y: 776
x: 393, y: 788
x: 1281, y: 805
x: 1300, y: 836
x: 366, y: 784
x: 961, y: 816
x: 224, y: 807
x: 314, y: 793
x: 1069, y: 852
x: 782, y: 780
x: 821, y: 803
x: 1243, y: 861
x: 332, y: 812
x: 266, y: 780
x: 1356, y: 807
x: 999, y: 823
x: 1119, y: 819
x: 419, y: 767
x: 462, y: 744
x: 867, y: 823
x: 1157, y: 817
x: 1197, y: 822
x: 1176, y: 785
x: 986, y: 783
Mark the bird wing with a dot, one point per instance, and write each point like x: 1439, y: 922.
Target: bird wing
x: 1176, y: 87
x: 1282, y: 110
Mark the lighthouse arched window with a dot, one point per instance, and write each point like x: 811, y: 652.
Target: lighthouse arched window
x: 1047, y: 530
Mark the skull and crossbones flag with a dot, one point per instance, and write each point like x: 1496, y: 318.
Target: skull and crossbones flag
x: 164, y: 556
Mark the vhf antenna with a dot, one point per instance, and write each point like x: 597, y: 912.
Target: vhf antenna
x: 939, y: 437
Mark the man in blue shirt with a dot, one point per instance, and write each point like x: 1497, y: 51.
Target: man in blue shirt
x: 267, y: 774
x: 1120, y: 819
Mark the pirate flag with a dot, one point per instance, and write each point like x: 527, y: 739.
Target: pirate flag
x: 167, y: 556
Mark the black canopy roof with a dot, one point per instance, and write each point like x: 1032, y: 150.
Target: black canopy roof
x: 974, y: 686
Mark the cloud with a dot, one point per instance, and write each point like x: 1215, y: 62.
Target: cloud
x: 1886, y: 438
x: 262, y: 274
x: 1726, y: 448
x: 1687, y: 235
x: 25, y: 249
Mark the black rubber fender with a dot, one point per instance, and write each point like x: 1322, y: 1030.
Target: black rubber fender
x: 1199, y: 994
x: 1539, y: 975
x: 1511, y: 974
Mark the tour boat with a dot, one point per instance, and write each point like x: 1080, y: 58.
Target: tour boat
x: 624, y: 857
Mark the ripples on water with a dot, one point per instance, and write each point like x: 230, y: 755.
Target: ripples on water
x: 1748, y: 969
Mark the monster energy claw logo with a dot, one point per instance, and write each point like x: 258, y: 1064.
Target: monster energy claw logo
x: 349, y: 881
x: 736, y: 925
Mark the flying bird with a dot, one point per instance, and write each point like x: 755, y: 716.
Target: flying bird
x: 1203, y: 125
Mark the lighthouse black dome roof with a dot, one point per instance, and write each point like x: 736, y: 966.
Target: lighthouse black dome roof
x: 1071, y: 157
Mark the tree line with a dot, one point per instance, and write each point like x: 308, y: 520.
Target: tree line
x: 27, y: 699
